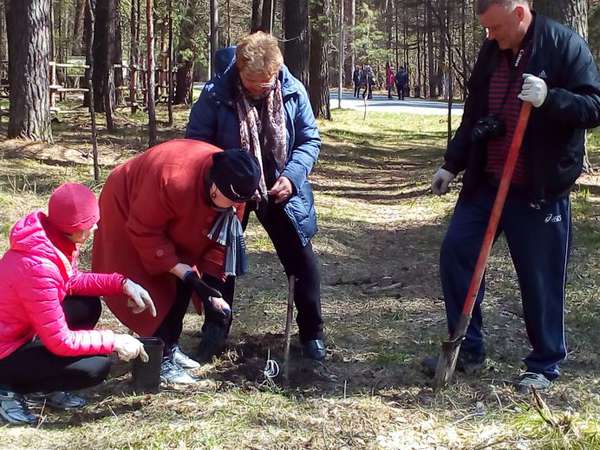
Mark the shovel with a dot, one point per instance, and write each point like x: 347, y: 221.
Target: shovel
x: 446, y: 362
x: 288, y: 327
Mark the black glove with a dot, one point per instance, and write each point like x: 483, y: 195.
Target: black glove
x: 204, y: 291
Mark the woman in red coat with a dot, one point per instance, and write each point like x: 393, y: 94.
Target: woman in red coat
x: 166, y: 216
x: 48, y: 309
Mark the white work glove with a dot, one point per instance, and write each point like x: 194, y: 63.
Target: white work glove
x: 534, y: 90
x: 139, y: 299
x: 441, y: 181
x: 128, y: 348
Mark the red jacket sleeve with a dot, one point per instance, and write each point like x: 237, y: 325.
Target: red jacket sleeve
x: 40, y: 298
x: 149, y: 213
x: 95, y: 284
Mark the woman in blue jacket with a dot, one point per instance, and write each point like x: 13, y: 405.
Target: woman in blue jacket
x: 257, y: 105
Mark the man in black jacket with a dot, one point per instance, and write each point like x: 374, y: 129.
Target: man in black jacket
x: 526, y: 57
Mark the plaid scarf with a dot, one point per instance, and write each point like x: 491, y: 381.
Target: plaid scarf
x: 271, y: 129
x: 227, y: 231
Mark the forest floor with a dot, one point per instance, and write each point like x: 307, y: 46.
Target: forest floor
x: 378, y: 245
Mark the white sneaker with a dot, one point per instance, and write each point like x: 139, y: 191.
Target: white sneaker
x: 183, y: 360
x: 173, y: 374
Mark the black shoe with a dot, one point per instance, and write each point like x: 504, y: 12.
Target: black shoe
x: 314, y: 349
x: 213, y: 340
x: 469, y: 363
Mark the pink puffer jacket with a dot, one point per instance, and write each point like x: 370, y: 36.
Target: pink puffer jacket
x: 34, y: 278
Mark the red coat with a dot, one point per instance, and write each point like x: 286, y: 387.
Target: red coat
x: 154, y: 213
x: 35, y: 276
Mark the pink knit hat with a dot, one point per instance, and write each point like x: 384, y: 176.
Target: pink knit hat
x: 73, y: 207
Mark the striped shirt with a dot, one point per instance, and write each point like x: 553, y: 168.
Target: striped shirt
x: 506, y: 106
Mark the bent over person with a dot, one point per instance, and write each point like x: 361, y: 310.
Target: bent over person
x: 48, y: 309
x: 257, y: 105
x: 167, y: 216
x: 526, y: 58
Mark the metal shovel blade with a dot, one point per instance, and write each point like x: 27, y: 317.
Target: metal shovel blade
x: 446, y: 363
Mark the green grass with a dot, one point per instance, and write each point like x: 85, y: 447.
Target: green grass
x: 379, y: 226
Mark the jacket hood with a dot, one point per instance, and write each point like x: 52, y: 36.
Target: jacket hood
x: 224, y: 58
x: 29, y: 236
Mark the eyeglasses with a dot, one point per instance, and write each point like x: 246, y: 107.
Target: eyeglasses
x: 250, y: 80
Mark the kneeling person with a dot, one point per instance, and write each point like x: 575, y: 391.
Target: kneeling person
x: 48, y: 309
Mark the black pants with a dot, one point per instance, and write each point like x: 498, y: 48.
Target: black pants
x: 171, y: 327
x: 356, y: 89
x: 33, y: 368
x: 368, y: 91
x: 400, y: 89
x: 297, y: 260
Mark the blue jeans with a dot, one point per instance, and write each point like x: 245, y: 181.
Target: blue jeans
x: 539, y: 240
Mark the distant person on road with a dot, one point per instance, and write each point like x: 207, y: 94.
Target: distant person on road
x: 390, y: 80
x: 401, y: 79
x: 525, y: 58
x: 369, y: 80
x: 356, y: 78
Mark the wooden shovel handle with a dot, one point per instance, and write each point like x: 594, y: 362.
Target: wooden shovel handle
x: 490, y: 232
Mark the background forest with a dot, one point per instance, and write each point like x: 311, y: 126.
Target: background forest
x: 436, y: 40
x: 88, y: 84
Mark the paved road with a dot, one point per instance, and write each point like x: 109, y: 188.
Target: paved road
x: 381, y: 103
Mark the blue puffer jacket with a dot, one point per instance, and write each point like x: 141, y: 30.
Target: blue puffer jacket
x: 213, y: 119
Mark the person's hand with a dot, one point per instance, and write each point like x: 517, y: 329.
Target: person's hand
x: 128, y: 348
x: 139, y: 299
x: 220, y: 305
x: 281, y: 190
x: 534, y: 90
x: 212, y: 299
x: 441, y: 181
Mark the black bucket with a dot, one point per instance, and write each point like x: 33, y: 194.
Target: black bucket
x: 146, y: 376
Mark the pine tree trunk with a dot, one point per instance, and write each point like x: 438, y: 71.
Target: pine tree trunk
x: 350, y: 8
x: 319, y: 68
x: 89, y: 25
x: 429, y: 30
x: 118, y: 53
x: 255, y: 23
x: 574, y: 14
x: 268, y: 9
x: 28, y: 49
x: 418, y: 83
x: 187, y: 51
x: 150, y: 73
x: 296, y: 47
x: 3, y: 44
x: 90, y: 6
x: 214, y: 33
x: 104, y: 50
x: 133, y: 57
x: 78, y: 28
x: 170, y: 66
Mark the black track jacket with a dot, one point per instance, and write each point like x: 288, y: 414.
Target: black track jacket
x: 555, y: 137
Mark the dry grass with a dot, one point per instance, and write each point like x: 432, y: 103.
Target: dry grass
x: 380, y: 232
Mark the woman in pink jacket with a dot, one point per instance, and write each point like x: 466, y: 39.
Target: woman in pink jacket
x: 48, y: 309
